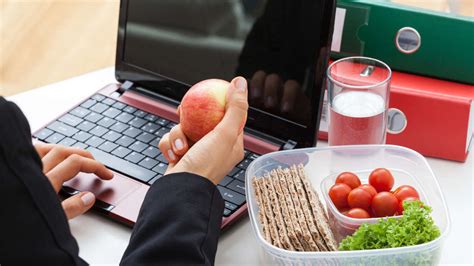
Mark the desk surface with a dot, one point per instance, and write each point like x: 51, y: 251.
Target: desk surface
x: 103, y: 241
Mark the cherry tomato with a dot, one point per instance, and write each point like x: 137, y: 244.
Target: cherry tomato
x: 384, y: 204
x: 404, y: 192
x: 400, y: 203
x: 338, y: 194
x: 349, y: 179
x: 381, y: 179
x: 344, y: 211
x: 358, y: 213
x: 369, y: 189
x: 359, y: 198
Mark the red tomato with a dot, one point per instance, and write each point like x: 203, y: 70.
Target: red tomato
x: 369, y: 189
x: 404, y: 192
x: 400, y: 203
x: 344, y: 211
x: 359, y: 198
x: 358, y: 213
x: 349, y: 179
x: 381, y: 179
x: 384, y: 204
x: 338, y: 194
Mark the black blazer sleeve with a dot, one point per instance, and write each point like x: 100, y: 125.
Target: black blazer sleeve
x: 33, y: 227
x: 179, y: 223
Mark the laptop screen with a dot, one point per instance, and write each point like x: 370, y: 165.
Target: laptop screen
x: 279, y: 46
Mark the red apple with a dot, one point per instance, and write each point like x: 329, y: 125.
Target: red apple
x: 203, y: 107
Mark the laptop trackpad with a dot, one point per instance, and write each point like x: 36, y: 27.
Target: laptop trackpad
x: 109, y: 191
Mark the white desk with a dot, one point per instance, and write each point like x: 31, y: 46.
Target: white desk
x: 103, y: 241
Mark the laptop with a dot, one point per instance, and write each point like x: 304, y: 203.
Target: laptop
x: 163, y: 47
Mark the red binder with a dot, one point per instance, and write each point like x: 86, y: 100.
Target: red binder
x: 440, y: 116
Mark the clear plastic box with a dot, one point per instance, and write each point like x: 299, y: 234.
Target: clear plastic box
x: 408, y: 167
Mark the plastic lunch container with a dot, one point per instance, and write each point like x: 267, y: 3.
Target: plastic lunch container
x: 322, y: 165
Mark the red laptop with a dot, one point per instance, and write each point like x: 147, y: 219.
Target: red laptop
x: 163, y: 47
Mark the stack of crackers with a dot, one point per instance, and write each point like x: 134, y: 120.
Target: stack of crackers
x: 291, y: 212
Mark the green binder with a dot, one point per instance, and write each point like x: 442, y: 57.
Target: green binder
x: 408, y: 39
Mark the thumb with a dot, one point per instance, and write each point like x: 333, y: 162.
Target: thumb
x: 78, y: 204
x: 236, y: 107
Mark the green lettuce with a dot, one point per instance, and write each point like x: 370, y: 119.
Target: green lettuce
x: 416, y: 226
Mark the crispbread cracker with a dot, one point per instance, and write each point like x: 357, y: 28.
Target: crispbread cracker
x: 261, y: 213
x: 318, y: 211
x: 269, y: 213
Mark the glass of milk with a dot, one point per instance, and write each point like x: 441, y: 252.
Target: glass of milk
x: 358, y: 96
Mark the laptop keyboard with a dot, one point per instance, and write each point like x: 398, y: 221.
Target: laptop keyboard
x: 125, y: 139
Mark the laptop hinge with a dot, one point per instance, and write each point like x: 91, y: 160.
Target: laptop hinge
x: 289, y: 145
x: 124, y: 87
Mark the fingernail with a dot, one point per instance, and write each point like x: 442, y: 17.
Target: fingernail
x: 88, y: 198
x: 285, y: 107
x: 241, y: 84
x: 171, y: 155
x: 255, y: 92
x: 269, y: 102
x: 178, y: 143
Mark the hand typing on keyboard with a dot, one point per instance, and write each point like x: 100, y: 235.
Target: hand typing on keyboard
x: 61, y: 164
x: 220, y: 150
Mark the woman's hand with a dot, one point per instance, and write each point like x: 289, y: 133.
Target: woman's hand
x: 61, y: 164
x: 220, y: 150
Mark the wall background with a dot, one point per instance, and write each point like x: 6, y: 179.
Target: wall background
x: 45, y: 41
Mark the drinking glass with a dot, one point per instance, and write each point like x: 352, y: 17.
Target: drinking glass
x: 358, y: 95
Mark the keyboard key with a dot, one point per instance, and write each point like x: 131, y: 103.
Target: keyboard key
x: 132, y: 132
x: 86, y: 126
x: 80, y: 112
x: 237, y: 186
x: 162, y: 122
x: 93, y: 117
x: 108, y: 146
x: 80, y: 145
x: 240, y: 175
x: 151, y: 151
x: 162, y: 131
x: 225, y: 181
x: 70, y: 120
x: 230, y: 206
x: 140, y: 113
x: 234, y: 171
x: 171, y: 125
x: 246, y: 153
x: 124, y: 117
x: 138, y: 146
x: 253, y: 156
x: 62, y: 128
x: 137, y: 122
x: 111, y: 136
x: 82, y: 136
x: 162, y: 158
x: 44, y: 133
x: 134, y: 157
x: 244, y: 163
x: 121, y: 152
x: 150, y: 127
x: 151, y: 117
x: 108, y: 101
x: 112, y: 112
x: 124, y: 141
x: 98, y: 131
x: 160, y: 168
x: 106, y: 122
x: 94, y: 141
x: 122, y: 166
x: 231, y: 196
x: 98, y: 97
x: 55, y: 138
x: 88, y: 103
x: 119, y: 127
x: 155, y: 141
x: 154, y: 179
x: 99, y: 108
x: 119, y: 105
x: 227, y: 212
x: 130, y: 109
x: 146, y: 137
x: 148, y: 163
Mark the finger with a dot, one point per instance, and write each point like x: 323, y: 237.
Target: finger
x: 290, y: 90
x: 73, y: 165
x: 42, y: 148
x: 59, y: 153
x: 167, y: 149
x: 271, y: 88
x: 236, y: 111
x: 256, y: 85
x: 178, y: 140
x: 78, y: 204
